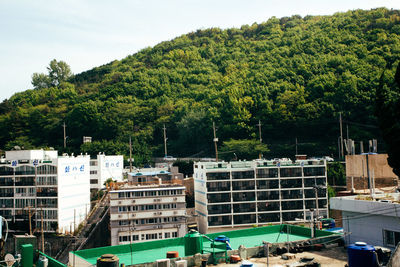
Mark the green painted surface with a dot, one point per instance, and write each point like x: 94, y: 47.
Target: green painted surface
x: 154, y: 250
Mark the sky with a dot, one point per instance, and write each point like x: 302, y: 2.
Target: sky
x: 90, y: 33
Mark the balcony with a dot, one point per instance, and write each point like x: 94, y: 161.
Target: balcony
x: 292, y: 216
x: 217, y: 198
x: 243, y: 175
x: 244, y: 196
x: 291, y: 183
x: 311, y: 182
x: 292, y: 194
x: 219, y: 209
x: 244, y: 207
x: 267, y: 184
x: 267, y: 173
x: 219, y: 220
x: 270, y: 195
x: 269, y: 217
x: 218, y: 176
x: 314, y: 171
x: 291, y: 172
x: 218, y: 186
x: 244, y: 219
x: 243, y: 185
x: 292, y: 205
x: 268, y: 206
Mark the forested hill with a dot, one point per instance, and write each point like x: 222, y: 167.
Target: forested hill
x: 293, y: 74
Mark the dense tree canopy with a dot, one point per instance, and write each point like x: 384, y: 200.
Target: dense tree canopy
x: 388, y: 113
x: 293, y: 74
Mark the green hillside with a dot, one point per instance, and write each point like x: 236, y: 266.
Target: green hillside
x: 293, y: 74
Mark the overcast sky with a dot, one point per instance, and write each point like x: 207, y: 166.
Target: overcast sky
x: 89, y: 33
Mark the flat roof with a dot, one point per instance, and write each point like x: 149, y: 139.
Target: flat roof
x: 154, y: 250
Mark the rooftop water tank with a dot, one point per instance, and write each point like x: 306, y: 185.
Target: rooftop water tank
x: 193, y: 243
x: 361, y: 255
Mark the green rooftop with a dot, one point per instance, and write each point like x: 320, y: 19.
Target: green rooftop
x: 151, y: 251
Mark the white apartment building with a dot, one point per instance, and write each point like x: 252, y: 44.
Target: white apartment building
x: 246, y: 193
x: 104, y: 167
x: 144, y: 213
x: 44, y: 184
x: 374, y: 221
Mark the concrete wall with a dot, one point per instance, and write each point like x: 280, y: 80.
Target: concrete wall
x: 73, y: 191
x: 356, y: 166
x: 366, y: 219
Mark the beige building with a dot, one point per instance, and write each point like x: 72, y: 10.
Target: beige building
x: 147, y: 212
x: 360, y: 167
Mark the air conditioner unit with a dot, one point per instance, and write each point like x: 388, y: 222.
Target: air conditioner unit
x: 175, y: 198
x: 155, y: 213
x: 133, y: 201
x: 181, y: 263
x: 159, y: 213
x: 163, y: 263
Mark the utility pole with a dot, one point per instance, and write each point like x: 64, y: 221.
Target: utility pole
x: 130, y: 154
x: 215, y: 143
x: 296, y: 145
x: 41, y: 209
x: 341, y: 134
x: 259, y: 133
x: 165, y: 141
x: 65, y: 137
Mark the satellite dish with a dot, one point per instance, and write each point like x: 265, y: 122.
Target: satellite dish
x: 9, y: 259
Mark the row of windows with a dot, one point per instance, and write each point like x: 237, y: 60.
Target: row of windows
x: 147, y: 207
x: 265, y: 206
x: 148, y: 221
x: 263, y: 184
x: 265, y: 195
x: 268, y: 173
x: 26, y: 170
x: 154, y: 236
x: 251, y: 218
x: 173, y: 192
x: 28, y: 181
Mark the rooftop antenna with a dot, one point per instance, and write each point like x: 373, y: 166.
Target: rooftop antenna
x: 165, y: 141
x: 65, y: 137
x: 259, y: 134
x: 215, y: 143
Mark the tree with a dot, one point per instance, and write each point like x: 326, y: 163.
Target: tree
x: 59, y: 72
x: 242, y: 149
x: 387, y: 110
x: 40, y: 80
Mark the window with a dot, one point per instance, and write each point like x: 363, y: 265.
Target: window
x: 167, y: 235
x: 175, y: 234
x: 391, y: 238
x: 93, y: 172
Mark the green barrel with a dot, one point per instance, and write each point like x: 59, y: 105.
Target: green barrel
x: 27, y: 255
x: 193, y: 243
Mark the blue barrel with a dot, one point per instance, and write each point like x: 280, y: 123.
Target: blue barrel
x: 361, y: 255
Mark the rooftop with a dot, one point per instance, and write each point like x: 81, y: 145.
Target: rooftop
x: 253, y: 237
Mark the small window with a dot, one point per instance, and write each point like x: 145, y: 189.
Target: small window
x: 391, y: 238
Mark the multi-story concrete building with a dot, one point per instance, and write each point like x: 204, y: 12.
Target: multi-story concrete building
x: 104, y: 167
x: 143, y: 213
x: 245, y: 193
x: 42, y: 184
x: 371, y: 220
